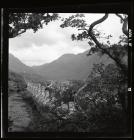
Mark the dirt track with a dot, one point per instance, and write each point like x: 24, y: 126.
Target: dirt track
x: 19, y: 112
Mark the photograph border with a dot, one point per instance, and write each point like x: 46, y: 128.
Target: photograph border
x: 100, y: 7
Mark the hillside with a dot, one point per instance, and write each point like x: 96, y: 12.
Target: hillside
x: 19, y: 112
x: 67, y: 67
x: 15, y: 65
x: 70, y: 66
x: 16, y: 82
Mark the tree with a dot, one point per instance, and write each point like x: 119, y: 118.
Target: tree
x: 100, y: 101
x: 21, y: 22
x: 88, y: 32
x: 88, y: 102
x: 116, y: 51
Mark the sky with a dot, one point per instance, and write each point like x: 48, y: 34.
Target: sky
x: 52, y: 41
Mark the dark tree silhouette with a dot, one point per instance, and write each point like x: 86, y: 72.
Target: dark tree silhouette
x: 21, y: 22
x: 92, y: 35
x: 116, y: 52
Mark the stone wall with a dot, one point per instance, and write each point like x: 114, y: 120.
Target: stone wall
x: 44, y: 95
x: 38, y: 92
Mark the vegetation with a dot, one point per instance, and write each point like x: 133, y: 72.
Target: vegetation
x: 116, y: 52
x: 97, y: 108
x: 16, y: 82
x: 21, y: 22
x: 92, y: 35
x: 100, y: 104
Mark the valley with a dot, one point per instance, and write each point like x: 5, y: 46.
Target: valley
x: 67, y: 67
x: 64, y: 95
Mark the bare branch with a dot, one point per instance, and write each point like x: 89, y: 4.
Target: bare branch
x: 118, y: 62
x: 16, y: 34
x: 99, y: 45
x: 120, y: 17
x: 97, y: 22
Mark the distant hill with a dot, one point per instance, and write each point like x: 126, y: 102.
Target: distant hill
x: 67, y: 67
x: 70, y: 66
x: 15, y: 65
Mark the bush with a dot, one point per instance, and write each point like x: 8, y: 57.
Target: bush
x: 98, y: 101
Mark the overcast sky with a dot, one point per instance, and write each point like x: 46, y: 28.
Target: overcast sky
x: 51, y: 42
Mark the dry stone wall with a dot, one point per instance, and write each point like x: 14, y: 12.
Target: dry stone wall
x: 44, y: 95
x: 38, y: 92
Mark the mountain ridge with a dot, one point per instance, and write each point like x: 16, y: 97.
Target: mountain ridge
x: 17, y: 65
x: 66, y: 67
x: 75, y: 67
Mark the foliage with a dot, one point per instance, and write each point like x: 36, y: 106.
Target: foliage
x: 18, y: 79
x: 93, y: 35
x: 100, y: 101
x: 74, y: 21
x: 20, y: 22
x: 110, y: 80
x: 98, y: 107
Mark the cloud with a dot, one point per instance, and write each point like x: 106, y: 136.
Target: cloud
x: 50, y: 35
x: 46, y: 45
x: 37, y: 55
x: 42, y: 36
x: 51, y: 42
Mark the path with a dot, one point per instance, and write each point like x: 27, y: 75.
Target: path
x: 18, y: 110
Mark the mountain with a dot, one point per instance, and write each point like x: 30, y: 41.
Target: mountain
x: 70, y: 66
x: 67, y: 67
x: 15, y: 65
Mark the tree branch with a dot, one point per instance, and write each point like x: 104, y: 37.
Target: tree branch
x: 97, y: 22
x: 124, y: 27
x: 21, y: 32
x: 120, y: 17
x: 122, y: 66
x: 90, y: 33
x: 16, y: 34
x: 125, y: 23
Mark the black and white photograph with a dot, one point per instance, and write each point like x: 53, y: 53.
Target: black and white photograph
x: 68, y: 72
